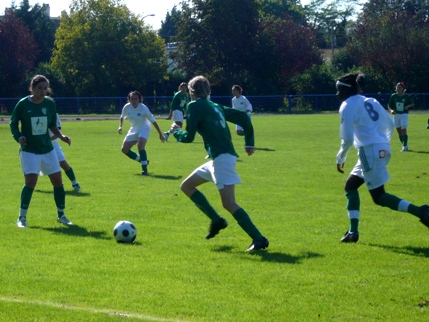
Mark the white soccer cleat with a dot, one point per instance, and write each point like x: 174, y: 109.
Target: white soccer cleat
x: 64, y: 220
x: 21, y: 222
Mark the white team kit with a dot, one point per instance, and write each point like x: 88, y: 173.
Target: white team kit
x: 241, y: 103
x: 368, y: 126
x: 140, y: 119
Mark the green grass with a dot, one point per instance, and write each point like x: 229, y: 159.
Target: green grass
x: 291, y: 190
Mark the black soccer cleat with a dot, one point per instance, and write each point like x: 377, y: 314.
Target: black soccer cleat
x: 350, y: 237
x: 258, y: 244
x: 424, y: 217
x: 216, y: 227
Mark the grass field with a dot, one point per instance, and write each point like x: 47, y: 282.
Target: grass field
x: 291, y: 190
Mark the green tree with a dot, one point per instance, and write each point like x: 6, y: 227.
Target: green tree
x: 18, y: 55
x: 392, y: 37
x: 38, y: 21
x: 102, y: 49
x: 168, y: 26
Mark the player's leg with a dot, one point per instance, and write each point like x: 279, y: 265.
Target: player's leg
x: 126, y: 148
x: 404, y: 126
x: 353, y: 205
x: 141, y: 145
x: 68, y: 170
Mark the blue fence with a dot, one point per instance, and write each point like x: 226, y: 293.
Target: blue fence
x: 285, y: 104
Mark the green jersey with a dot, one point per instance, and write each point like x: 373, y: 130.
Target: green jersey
x: 209, y: 120
x: 35, y: 120
x: 179, y: 101
x: 398, y: 103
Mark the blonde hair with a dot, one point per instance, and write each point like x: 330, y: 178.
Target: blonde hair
x: 199, y: 87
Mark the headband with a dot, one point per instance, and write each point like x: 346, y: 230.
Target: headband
x: 343, y: 84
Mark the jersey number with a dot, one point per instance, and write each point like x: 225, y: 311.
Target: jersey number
x: 222, y: 118
x: 371, y: 112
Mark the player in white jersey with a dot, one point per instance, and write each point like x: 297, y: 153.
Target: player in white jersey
x: 140, y: 118
x: 368, y: 126
x: 68, y: 170
x: 240, y: 102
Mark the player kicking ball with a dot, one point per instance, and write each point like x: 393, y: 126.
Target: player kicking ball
x: 368, y: 126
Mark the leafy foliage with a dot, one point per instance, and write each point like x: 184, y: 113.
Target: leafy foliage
x: 19, y: 51
x: 101, y: 49
x: 168, y: 26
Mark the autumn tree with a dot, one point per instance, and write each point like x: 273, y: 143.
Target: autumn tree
x: 18, y: 55
x: 102, y: 49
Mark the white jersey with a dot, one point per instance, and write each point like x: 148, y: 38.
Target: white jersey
x: 364, y: 122
x: 139, y: 117
x: 241, y: 103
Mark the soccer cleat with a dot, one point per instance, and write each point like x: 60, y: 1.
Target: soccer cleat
x: 404, y: 148
x: 216, y: 227
x: 166, y: 135
x: 424, y: 218
x: 22, y: 222
x: 63, y: 220
x: 350, y: 237
x: 258, y: 244
x: 76, y: 187
x: 145, y: 173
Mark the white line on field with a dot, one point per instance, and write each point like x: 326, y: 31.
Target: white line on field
x: 88, y: 309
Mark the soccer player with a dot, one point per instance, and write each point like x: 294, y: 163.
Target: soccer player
x: 399, y: 105
x: 36, y: 114
x: 368, y: 126
x: 209, y: 120
x: 140, y: 118
x: 68, y: 170
x: 240, y: 102
x: 177, y: 106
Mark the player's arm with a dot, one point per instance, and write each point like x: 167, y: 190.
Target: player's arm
x: 14, y: 126
x: 188, y: 135
x: 239, y: 117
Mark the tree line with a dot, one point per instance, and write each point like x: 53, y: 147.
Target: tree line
x: 268, y: 47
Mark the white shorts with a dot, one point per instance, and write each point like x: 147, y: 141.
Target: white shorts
x: 372, y: 165
x: 177, y: 116
x: 221, y: 171
x: 58, y: 151
x: 35, y: 163
x: 134, y: 135
x: 238, y: 127
x: 401, y: 121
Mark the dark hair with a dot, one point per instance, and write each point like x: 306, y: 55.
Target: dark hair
x: 39, y: 79
x: 181, y: 84
x: 199, y: 86
x: 135, y: 93
x: 351, y: 84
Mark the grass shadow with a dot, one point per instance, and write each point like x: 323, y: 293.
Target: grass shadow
x: 406, y: 250
x: 77, y: 231
x: 274, y: 257
x: 160, y: 176
x: 422, y: 152
x: 265, y: 149
x: 68, y: 193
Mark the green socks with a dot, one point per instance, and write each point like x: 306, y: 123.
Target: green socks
x: 201, y: 202
x: 143, y: 159
x: 132, y: 155
x: 70, y: 175
x: 26, y: 195
x: 353, y: 207
x: 246, y: 223
x: 60, y: 199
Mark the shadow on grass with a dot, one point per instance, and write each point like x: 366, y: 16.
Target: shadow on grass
x: 422, y: 152
x: 68, y: 193
x: 265, y: 149
x: 406, y: 250
x: 75, y: 230
x: 160, y: 176
x: 275, y: 257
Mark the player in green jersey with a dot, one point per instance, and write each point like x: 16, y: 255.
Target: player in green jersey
x: 37, y: 114
x: 177, y: 107
x: 209, y: 120
x: 399, y: 104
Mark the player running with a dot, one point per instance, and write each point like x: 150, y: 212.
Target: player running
x: 368, y: 126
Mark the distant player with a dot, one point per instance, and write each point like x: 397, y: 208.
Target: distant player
x: 210, y: 121
x: 240, y: 102
x: 367, y: 125
x: 399, y: 105
x: 140, y: 118
x: 177, y: 107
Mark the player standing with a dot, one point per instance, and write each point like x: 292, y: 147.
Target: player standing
x: 367, y: 125
x: 177, y: 106
x: 399, y: 104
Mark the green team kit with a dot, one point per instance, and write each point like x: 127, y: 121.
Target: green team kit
x: 209, y: 120
x: 179, y: 101
x: 35, y: 119
x: 398, y: 103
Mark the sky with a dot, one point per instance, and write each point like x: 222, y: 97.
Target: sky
x: 143, y: 7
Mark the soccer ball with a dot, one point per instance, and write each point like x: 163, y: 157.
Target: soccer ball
x: 125, y: 232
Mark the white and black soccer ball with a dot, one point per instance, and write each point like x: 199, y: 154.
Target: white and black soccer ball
x: 125, y: 232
